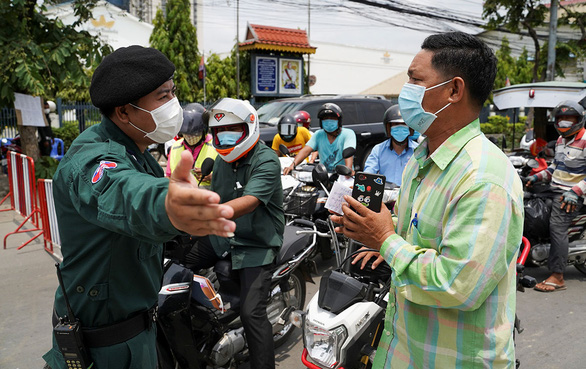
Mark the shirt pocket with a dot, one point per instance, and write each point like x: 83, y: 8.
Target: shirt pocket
x: 420, y: 239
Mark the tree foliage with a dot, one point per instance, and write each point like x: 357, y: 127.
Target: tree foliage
x: 515, y: 15
x: 41, y: 56
x: 176, y: 37
x: 518, y: 70
x: 221, y: 77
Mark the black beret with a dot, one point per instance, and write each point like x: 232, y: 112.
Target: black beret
x: 128, y: 74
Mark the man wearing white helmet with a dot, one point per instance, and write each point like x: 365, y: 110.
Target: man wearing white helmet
x: 246, y: 179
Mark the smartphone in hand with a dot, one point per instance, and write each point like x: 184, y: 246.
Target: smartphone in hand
x: 368, y: 189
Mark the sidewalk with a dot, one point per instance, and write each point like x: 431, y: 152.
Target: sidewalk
x: 28, y: 281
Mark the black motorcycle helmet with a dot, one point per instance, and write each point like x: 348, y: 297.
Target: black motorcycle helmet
x: 193, y: 123
x: 287, y: 127
x: 392, y: 115
x: 568, y: 108
x: 330, y: 110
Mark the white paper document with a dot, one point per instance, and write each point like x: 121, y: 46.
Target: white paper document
x: 336, y: 198
x: 31, y: 109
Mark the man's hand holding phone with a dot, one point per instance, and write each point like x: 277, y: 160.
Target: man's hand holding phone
x: 364, y: 225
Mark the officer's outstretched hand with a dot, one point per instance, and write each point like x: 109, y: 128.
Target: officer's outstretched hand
x: 194, y: 210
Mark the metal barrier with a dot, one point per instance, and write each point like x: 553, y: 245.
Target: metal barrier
x: 48, y: 215
x: 23, y: 200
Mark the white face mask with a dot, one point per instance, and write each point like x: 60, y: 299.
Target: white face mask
x: 168, y: 119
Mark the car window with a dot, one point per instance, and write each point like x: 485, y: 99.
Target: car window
x: 272, y: 111
x: 349, y: 112
x: 372, y: 112
x: 313, y: 109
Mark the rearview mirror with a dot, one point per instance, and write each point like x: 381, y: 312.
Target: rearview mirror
x: 348, y: 152
x: 320, y: 174
x: 343, y: 170
x: 283, y: 150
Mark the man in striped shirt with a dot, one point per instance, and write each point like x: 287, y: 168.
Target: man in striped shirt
x: 460, y: 218
x: 567, y: 175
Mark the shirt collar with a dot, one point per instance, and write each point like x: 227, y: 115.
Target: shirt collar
x: 113, y: 132
x: 448, y: 150
x: 245, y: 160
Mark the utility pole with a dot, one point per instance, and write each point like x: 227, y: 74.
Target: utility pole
x: 308, y: 35
x: 237, y: 49
x: 553, y: 27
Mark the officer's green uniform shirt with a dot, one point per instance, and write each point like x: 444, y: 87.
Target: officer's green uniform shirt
x: 259, y: 234
x: 112, y: 223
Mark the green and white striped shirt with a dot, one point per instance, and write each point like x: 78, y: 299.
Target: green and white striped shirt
x: 460, y: 223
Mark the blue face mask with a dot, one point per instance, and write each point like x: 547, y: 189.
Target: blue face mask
x: 400, y: 133
x: 229, y: 138
x: 413, y: 114
x: 415, y: 136
x: 329, y: 125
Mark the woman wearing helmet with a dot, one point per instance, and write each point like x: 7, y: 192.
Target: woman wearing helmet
x: 329, y: 141
x: 195, y: 140
x: 293, y: 137
x: 567, y: 174
x: 245, y: 180
x: 390, y: 157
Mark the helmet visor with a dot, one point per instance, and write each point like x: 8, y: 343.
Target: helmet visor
x: 287, y: 129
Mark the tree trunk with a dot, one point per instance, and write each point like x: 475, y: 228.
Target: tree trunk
x: 29, y: 143
x: 535, y: 38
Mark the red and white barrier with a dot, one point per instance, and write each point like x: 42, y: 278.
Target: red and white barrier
x: 21, y: 178
x: 49, y: 217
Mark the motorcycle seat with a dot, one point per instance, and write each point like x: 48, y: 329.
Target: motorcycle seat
x: 293, y: 243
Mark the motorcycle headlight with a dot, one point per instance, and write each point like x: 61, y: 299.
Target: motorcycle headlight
x: 323, y: 346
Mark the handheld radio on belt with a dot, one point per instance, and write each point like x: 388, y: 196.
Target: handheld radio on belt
x: 69, y: 336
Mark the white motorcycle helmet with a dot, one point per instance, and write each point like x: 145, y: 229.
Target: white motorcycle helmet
x: 227, y: 112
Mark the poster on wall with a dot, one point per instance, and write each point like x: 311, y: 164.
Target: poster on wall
x: 266, y: 76
x: 290, y: 76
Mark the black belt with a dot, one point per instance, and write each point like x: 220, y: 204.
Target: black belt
x: 116, y: 333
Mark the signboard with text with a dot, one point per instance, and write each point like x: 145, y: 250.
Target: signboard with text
x: 276, y: 76
x: 266, y: 75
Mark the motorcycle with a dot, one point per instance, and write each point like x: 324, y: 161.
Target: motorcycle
x: 305, y: 192
x: 6, y: 145
x: 538, y: 201
x: 533, y: 159
x: 343, y: 322
x: 198, y: 314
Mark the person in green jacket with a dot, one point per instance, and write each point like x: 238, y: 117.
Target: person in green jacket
x: 115, y: 208
x: 246, y: 178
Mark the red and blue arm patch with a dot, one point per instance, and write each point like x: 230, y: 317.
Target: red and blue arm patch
x: 99, y: 173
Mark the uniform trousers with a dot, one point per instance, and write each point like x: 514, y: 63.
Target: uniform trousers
x: 255, y: 284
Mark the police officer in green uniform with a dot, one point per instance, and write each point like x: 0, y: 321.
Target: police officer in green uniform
x: 115, y: 209
x: 248, y: 179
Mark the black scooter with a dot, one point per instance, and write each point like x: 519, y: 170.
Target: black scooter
x: 538, y: 201
x: 198, y: 316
